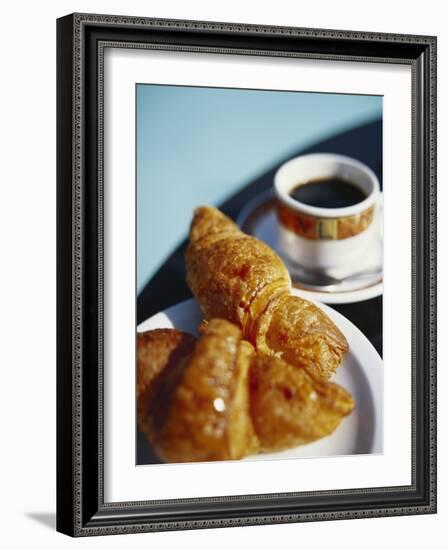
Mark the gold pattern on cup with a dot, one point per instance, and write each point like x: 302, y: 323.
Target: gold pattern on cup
x: 324, y: 229
x: 327, y: 230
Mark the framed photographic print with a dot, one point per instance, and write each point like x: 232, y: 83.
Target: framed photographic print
x: 246, y: 274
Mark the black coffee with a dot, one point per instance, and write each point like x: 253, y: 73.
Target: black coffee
x: 328, y: 193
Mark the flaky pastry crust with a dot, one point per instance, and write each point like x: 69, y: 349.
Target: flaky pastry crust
x: 239, y: 278
x: 289, y: 407
x: 201, y: 409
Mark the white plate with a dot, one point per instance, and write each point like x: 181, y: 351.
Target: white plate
x: 361, y: 373
x: 259, y: 219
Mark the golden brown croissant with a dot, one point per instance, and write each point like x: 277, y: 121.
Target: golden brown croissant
x: 200, y: 411
x: 289, y: 407
x: 237, y: 277
x: 195, y: 402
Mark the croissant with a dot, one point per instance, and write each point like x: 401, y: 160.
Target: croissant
x: 289, y: 407
x: 157, y: 350
x: 200, y: 410
x: 239, y: 278
x: 216, y: 399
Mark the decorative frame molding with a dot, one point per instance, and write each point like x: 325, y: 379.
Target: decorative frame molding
x: 81, y: 510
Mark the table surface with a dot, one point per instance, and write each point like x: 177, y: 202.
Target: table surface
x: 202, y: 145
x: 168, y: 286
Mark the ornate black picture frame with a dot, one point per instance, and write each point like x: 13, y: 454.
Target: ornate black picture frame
x: 81, y: 509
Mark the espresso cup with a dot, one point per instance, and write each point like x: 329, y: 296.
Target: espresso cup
x: 320, y: 237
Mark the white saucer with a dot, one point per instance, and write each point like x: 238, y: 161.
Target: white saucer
x: 259, y: 219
